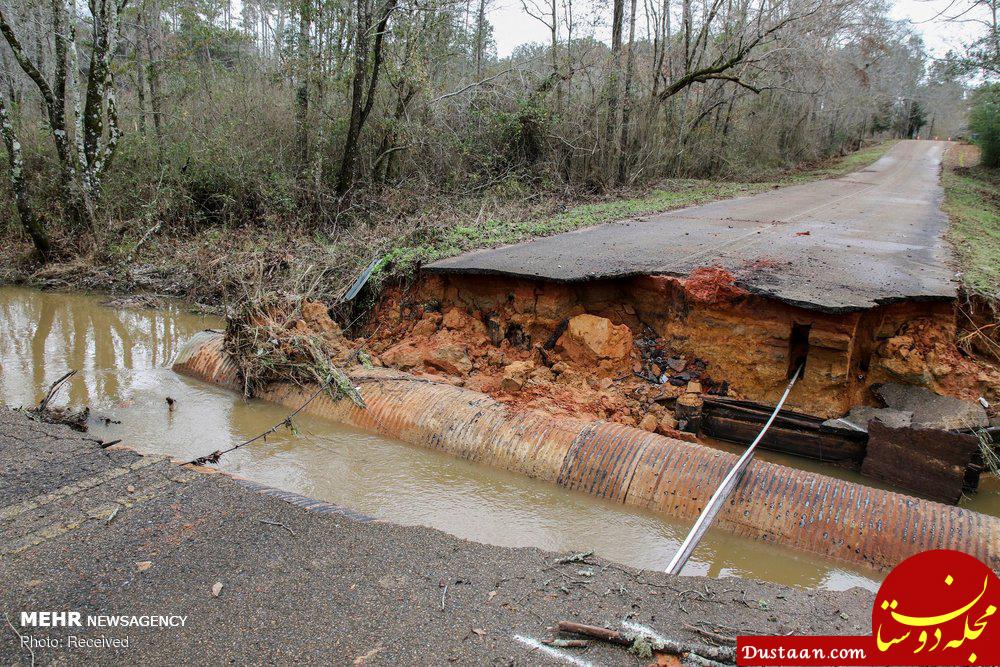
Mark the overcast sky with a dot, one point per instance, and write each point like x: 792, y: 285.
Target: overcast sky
x: 513, y: 27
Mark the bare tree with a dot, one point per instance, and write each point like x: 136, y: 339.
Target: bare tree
x: 29, y: 220
x: 611, y: 120
x: 362, y: 98
x: 84, y: 126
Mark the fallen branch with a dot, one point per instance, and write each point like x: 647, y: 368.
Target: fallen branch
x: 53, y: 390
x: 279, y: 525
x: 640, y: 643
x: 566, y: 643
x: 44, y: 412
x: 711, y: 636
x: 604, y: 634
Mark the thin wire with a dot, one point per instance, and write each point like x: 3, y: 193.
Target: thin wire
x: 287, y: 421
x: 725, y: 489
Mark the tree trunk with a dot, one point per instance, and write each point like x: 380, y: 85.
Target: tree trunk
x: 627, y: 105
x: 363, y: 19
x: 613, y: 93
x: 480, y: 37
x: 29, y: 221
x: 361, y: 101
x: 305, y: 73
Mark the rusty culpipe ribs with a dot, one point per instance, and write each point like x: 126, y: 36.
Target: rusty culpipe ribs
x: 774, y: 504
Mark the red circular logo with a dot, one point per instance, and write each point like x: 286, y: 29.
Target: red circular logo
x: 938, y: 607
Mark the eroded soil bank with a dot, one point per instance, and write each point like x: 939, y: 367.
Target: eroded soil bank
x: 123, y: 357
x: 641, y: 351
x: 316, y: 586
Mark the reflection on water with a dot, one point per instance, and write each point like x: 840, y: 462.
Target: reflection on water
x: 123, y: 358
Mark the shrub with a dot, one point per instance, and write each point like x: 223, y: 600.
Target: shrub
x: 984, y: 122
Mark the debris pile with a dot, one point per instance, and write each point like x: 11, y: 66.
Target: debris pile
x: 75, y: 418
x: 923, y: 352
x: 289, y: 339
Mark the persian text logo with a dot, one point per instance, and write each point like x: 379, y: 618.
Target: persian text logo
x: 934, y: 608
x: 938, y: 602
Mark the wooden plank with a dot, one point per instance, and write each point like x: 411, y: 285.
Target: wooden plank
x: 792, y: 432
x: 929, y: 462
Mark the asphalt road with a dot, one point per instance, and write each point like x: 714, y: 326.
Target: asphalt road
x: 874, y: 236
x: 108, y: 532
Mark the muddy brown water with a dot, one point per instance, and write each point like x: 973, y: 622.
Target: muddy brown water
x: 123, y: 357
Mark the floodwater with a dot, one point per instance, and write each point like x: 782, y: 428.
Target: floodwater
x: 123, y: 359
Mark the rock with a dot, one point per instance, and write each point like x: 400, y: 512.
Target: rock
x: 403, y: 356
x: 542, y: 374
x: 571, y: 376
x: 667, y: 424
x: 495, y: 357
x: 694, y: 387
x: 677, y: 364
x: 933, y: 411
x: 649, y: 423
x: 458, y: 320
x: 860, y: 415
x: 515, y: 375
x: 451, y: 358
x: 667, y: 393
x: 589, y: 338
x: 425, y: 327
x: 941, y: 370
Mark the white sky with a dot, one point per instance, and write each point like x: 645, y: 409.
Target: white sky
x: 512, y: 26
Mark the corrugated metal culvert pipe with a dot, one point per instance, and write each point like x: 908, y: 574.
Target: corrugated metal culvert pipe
x: 773, y: 503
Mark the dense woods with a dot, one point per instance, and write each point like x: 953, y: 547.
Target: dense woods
x: 125, y: 119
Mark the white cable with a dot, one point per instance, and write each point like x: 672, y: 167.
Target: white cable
x: 725, y: 490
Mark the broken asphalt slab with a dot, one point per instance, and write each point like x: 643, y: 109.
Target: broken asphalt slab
x: 932, y: 411
x: 875, y: 236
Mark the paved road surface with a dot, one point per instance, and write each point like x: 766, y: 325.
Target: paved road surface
x: 78, y: 525
x: 874, y: 236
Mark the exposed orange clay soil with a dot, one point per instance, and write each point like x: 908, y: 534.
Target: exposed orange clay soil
x: 631, y: 350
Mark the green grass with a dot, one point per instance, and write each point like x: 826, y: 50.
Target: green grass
x: 972, y: 201
x: 520, y: 225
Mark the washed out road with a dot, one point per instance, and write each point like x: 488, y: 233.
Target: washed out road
x: 871, y: 237
x: 278, y: 580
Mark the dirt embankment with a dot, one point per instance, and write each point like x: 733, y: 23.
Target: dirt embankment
x: 644, y: 351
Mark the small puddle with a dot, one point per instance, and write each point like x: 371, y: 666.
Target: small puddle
x: 123, y: 357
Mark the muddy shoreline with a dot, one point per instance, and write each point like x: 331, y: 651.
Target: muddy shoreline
x: 312, y: 585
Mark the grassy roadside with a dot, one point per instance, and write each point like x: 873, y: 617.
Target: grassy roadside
x: 216, y: 264
x: 667, y: 195
x: 972, y: 201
